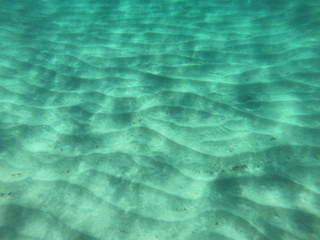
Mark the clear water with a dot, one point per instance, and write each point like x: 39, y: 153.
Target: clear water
x: 142, y: 120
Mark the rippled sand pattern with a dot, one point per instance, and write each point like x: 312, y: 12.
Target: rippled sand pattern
x: 147, y: 120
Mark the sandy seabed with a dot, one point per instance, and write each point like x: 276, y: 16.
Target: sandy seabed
x: 159, y: 120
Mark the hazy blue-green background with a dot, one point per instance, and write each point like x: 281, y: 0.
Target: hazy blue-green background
x: 159, y: 120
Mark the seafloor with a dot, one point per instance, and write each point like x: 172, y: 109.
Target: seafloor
x: 160, y: 120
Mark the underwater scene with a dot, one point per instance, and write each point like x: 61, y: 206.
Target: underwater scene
x: 159, y: 120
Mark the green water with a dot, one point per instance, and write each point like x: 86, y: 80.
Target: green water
x: 159, y: 120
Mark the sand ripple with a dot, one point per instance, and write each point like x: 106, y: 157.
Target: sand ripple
x: 159, y: 120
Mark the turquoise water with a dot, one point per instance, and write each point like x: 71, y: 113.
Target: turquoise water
x: 158, y: 120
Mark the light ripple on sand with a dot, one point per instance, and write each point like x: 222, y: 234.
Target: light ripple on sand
x: 143, y: 124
